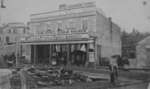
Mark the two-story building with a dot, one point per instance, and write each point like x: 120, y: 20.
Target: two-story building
x: 11, y: 33
x: 73, y: 34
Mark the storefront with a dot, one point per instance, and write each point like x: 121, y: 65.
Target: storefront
x: 65, y: 51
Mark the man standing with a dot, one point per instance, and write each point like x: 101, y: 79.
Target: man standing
x: 113, y: 69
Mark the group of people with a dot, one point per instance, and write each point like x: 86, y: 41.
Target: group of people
x: 77, y: 58
x: 10, y: 60
x: 58, y: 58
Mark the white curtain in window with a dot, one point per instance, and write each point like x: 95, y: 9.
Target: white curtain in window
x: 84, y: 24
x: 83, y: 48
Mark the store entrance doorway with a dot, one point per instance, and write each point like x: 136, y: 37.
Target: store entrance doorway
x: 40, y: 54
x: 79, y: 54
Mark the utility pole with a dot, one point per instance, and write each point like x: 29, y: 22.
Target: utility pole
x: 2, y: 6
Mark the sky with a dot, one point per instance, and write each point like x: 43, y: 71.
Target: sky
x: 128, y: 14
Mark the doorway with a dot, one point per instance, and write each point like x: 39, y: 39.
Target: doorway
x: 40, y: 54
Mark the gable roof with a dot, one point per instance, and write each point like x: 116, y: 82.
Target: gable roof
x: 145, y: 41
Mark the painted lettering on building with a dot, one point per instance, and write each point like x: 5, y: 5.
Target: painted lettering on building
x: 56, y: 37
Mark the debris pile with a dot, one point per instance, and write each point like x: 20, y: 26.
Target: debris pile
x: 15, y: 80
x: 52, y: 76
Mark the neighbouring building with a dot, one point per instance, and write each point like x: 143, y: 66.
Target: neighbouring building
x: 143, y: 53
x: 78, y: 33
x: 11, y: 33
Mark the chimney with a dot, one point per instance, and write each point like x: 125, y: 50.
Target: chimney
x: 62, y: 6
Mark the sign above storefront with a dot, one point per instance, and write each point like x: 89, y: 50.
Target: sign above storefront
x: 56, y: 37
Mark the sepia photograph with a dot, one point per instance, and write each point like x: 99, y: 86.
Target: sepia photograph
x: 74, y: 44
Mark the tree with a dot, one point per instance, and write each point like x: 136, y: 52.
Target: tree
x: 129, y: 42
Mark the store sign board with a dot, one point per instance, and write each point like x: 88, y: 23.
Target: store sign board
x: 58, y: 37
x: 36, y: 38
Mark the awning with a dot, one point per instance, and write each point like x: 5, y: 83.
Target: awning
x: 56, y: 42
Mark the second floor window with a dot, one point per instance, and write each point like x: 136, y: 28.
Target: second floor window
x: 14, y: 31
x: 84, y: 25
x: 9, y: 30
x: 61, y: 27
x: 24, y: 31
x: 7, y: 39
